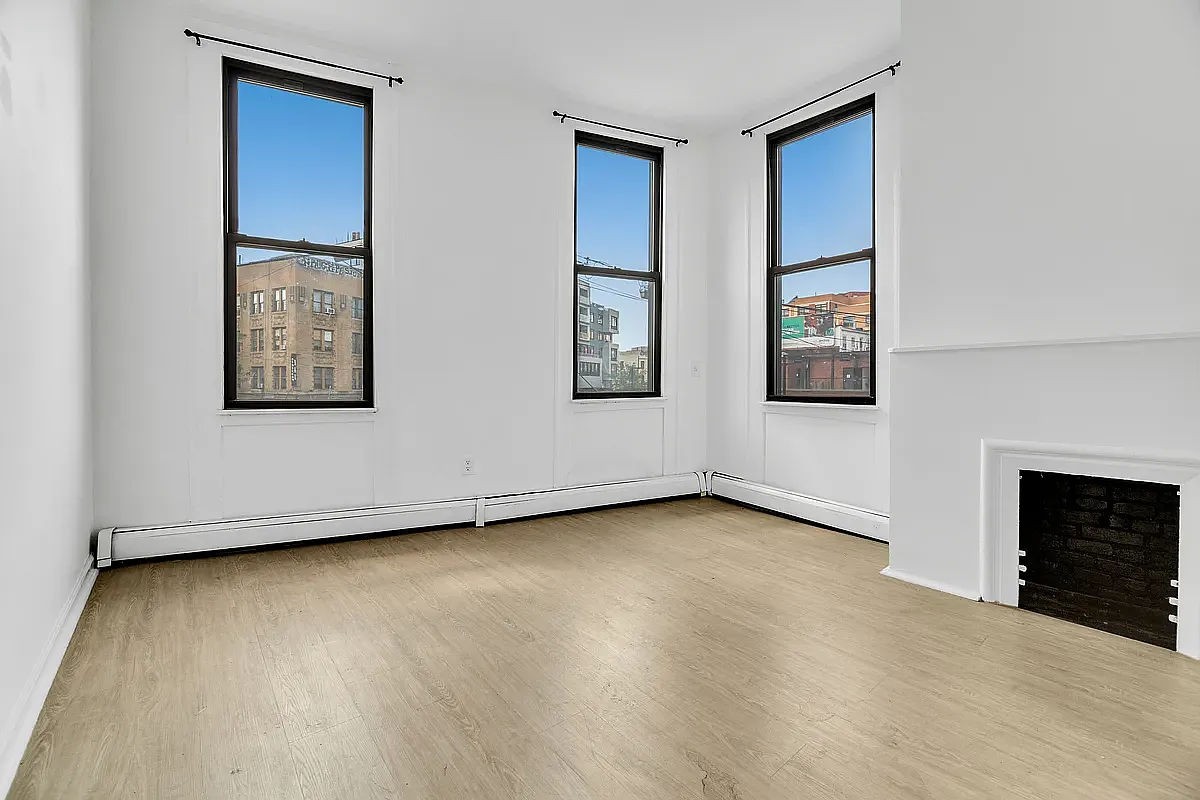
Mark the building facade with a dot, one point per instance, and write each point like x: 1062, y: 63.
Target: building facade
x: 597, y: 362
x: 825, y: 343
x: 300, y: 328
x: 633, y: 366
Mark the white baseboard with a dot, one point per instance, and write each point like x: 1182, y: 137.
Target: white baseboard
x: 162, y: 541
x: 29, y: 706
x: 890, y: 572
x: 555, y: 501
x: 862, y: 521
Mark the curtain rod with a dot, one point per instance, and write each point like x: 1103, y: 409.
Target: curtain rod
x: 191, y: 34
x: 675, y: 139
x: 892, y: 69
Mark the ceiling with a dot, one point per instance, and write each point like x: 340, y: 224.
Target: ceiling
x: 667, y: 59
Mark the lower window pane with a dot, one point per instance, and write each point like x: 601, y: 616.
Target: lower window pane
x: 299, y: 318
x: 613, y: 338
x: 823, y: 324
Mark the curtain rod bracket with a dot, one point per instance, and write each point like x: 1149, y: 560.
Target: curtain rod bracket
x: 192, y: 35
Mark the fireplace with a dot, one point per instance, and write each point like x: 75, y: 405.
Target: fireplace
x: 1101, y: 552
x: 1008, y: 573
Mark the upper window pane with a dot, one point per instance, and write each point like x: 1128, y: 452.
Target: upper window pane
x: 614, y: 209
x: 300, y: 165
x: 825, y: 192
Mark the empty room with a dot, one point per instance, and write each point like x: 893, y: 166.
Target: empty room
x: 774, y: 400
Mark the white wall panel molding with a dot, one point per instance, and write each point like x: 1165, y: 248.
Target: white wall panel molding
x: 1131, y: 338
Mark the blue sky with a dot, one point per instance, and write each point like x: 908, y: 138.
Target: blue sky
x: 825, y: 204
x: 301, y: 177
x: 300, y: 168
x: 612, y: 196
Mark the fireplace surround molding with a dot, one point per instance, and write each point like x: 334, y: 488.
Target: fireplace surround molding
x: 999, y: 485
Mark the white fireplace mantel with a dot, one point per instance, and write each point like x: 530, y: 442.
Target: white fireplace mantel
x: 1001, y: 462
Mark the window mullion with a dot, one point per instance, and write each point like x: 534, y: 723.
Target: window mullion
x: 865, y: 254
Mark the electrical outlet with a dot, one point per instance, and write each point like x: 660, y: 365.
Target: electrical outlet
x: 468, y: 466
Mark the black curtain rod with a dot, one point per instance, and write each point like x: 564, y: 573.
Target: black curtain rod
x: 892, y: 69
x: 191, y: 34
x: 675, y: 139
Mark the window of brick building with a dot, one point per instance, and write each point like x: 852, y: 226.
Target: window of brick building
x: 322, y: 378
x: 322, y: 340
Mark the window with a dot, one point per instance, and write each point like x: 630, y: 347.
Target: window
x: 356, y: 378
x: 618, y: 235
x: 356, y: 343
x: 256, y: 379
x: 257, y: 344
x: 297, y: 228
x: 322, y: 302
x: 322, y: 379
x: 821, y: 281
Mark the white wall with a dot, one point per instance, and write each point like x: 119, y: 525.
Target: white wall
x: 473, y: 213
x: 45, y: 471
x: 837, y: 453
x: 1050, y: 166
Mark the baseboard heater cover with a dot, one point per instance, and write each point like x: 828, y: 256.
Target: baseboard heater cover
x: 162, y: 541
x: 844, y: 517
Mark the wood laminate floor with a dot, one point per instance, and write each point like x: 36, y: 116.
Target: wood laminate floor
x: 680, y: 650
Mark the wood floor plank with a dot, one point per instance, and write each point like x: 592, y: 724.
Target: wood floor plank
x: 342, y: 763
x: 691, y: 649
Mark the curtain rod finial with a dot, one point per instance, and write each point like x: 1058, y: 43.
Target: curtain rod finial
x: 191, y: 34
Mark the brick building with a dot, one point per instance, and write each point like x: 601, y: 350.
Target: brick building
x: 300, y: 328
x: 825, y: 342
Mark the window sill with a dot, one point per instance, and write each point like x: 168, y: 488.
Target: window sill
x: 827, y: 410
x: 617, y: 403
x: 258, y: 416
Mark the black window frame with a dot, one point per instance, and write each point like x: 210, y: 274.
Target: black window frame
x: 234, y: 70
x: 775, y: 270
x: 652, y: 275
